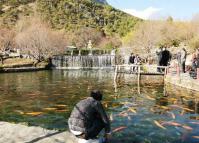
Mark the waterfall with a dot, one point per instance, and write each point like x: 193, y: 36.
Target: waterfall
x: 83, y: 61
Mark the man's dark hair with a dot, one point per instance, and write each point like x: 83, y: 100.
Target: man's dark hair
x: 96, y: 94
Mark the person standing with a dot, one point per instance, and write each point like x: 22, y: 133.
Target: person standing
x: 159, y: 58
x: 183, y: 56
x: 88, y: 118
x: 166, y: 57
x: 132, y: 61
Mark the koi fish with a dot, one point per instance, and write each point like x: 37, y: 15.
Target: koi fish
x: 187, y: 109
x: 50, y: 109
x: 187, y: 127
x: 197, y: 123
x: 124, y: 103
x: 171, y: 123
x: 150, y: 98
x: 62, y: 110
x: 152, y: 110
x: 196, y: 137
x: 123, y: 114
x: 34, y: 113
x: 172, y: 99
x: 132, y: 110
x: 172, y: 114
x: 105, y: 105
x: 20, y: 112
x: 159, y: 125
x: 164, y: 107
x: 119, y: 129
x: 61, y: 105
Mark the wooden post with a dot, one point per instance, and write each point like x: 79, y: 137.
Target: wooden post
x: 139, y: 77
x: 198, y: 74
x: 116, y: 70
x: 168, y: 70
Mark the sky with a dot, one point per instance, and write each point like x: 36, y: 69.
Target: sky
x: 158, y: 9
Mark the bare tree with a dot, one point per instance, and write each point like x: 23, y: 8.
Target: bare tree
x: 6, y: 39
x: 39, y: 41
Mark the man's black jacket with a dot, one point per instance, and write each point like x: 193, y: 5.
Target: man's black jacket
x: 85, y: 113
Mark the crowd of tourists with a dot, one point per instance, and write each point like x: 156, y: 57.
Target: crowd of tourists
x: 164, y: 58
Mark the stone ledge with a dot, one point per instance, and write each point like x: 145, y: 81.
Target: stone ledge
x: 18, y: 133
x: 191, y: 84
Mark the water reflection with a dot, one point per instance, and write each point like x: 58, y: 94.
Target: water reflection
x: 46, y: 99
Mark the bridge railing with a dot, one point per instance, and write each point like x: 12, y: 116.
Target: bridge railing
x: 143, y: 69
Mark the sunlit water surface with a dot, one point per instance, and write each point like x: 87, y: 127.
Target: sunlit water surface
x: 157, y: 114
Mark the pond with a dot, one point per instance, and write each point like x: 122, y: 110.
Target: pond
x: 154, y: 114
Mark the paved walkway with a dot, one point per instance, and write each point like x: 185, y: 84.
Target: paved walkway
x: 17, y: 133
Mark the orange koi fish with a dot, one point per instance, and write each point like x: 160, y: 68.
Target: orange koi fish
x: 150, y: 98
x: 61, y: 105
x: 20, y: 112
x: 119, y: 129
x: 34, y: 113
x: 50, y: 109
x: 62, y: 110
x: 132, y: 110
x: 164, y: 107
x: 159, y: 125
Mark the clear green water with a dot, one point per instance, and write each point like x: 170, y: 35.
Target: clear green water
x: 46, y: 99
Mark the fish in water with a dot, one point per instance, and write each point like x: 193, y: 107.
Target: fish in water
x: 34, y: 113
x: 119, y: 129
x: 187, y: 127
x: 152, y: 109
x: 150, y: 98
x: 177, y: 106
x: 159, y: 125
x: 196, y: 137
x: 197, y: 123
x: 132, y: 110
x: 60, y: 105
x: 50, y: 109
x: 171, y: 123
x: 20, y: 112
x: 172, y: 114
x: 164, y: 107
x: 62, y: 110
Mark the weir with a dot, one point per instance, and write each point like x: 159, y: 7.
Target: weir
x: 87, y: 60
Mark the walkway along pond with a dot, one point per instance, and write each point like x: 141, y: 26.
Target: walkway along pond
x: 156, y: 114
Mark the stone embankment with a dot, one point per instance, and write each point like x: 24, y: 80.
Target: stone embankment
x: 18, y: 133
x: 183, y: 80
x: 21, y: 69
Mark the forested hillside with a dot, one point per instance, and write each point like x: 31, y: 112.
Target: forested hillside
x: 69, y: 14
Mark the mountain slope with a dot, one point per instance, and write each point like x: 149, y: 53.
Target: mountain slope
x: 70, y: 14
